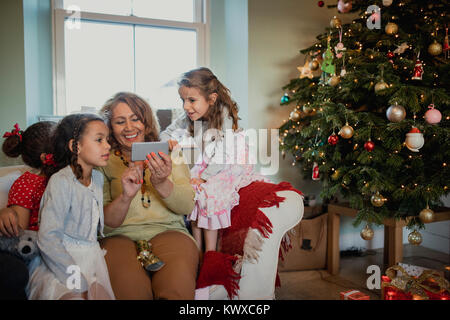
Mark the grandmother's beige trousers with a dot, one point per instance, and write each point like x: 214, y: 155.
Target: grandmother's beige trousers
x: 175, y: 281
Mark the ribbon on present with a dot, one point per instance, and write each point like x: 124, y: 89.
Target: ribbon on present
x: 428, y: 284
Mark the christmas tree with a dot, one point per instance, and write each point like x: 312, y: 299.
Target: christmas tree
x: 373, y: 124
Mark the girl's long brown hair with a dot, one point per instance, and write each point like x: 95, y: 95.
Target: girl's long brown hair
x: 140, y: 108
x: 204, y: 80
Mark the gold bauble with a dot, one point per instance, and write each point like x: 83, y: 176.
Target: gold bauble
x: 334, y: 81
x: 426, y: 215
x: 396, y: 113
x: 377, y: 200
x: 415, y: 238
x: 391, y: 28
x: 314, y: 65
x: 381, y: 86
x: 335, y: 175
x: 295, y: 115
x: 335, y: 22
x: 346, y: 131
x: 367, y: 233
x: 307, y: 109
x: 435, y: 48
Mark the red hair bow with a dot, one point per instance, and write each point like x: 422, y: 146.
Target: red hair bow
x: 49, y: 160
x: 15, y: 132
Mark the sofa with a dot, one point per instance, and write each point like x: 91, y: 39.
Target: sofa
x: 258, y: 277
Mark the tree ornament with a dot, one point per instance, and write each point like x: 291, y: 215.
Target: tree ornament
x: 335, y: 22
x: 381, y: 86
x: 418, y: 70
x: 391, y: 28
x: 396, y: 113
x: 401, y: 48
x: 335, y: 175
x: 333, y: 139
x: 390, y: 55
x: 295, y: 115
x: 435, y: 48
x: 433, y: 115
x: 414, y: 140
x: 387, y: 3
x: 377, y: 200
x: 346, y: 131
x: 305, y: 71
x: 339, y: 48
x: 327, y: 64
x: 367, y: 233
x: 320, y: 3
x: 334, y: 80
x: 415, y: 238
x: 426, y: 215
x: 285, y: 98
x: 315, y: 171
x: 314, y: 65
x: 369, y: 145
x: 344, y: 6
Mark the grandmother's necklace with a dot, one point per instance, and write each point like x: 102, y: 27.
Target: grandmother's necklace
x: 144, y: 193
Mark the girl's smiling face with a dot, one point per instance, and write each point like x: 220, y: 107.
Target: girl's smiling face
x: 126, y: 126
x: 194, y: 103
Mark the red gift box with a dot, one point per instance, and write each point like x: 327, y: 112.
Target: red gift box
x: 354, y: 295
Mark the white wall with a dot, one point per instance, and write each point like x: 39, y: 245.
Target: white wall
x: 277, y: 30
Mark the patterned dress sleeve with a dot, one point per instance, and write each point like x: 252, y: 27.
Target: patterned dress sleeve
x: 20, y: 193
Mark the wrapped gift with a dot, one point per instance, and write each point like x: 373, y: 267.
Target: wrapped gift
x: 397, y: 284
x: 354, y: 295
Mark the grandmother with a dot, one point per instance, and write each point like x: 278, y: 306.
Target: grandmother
x: 156, y: 195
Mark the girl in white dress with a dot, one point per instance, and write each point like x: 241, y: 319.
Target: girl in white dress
x: 224, y: 167
x: 72, y: 264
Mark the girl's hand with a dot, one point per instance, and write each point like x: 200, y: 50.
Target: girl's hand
x: 132, y: 179
x: 9, y: 223
x: 172, y: 144
x: 197, y: 181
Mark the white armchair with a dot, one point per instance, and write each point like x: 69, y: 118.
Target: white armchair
x: 258, y: 278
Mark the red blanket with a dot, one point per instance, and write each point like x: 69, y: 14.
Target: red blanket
x: 217, y: 267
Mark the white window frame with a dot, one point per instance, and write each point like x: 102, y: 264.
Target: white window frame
x: 201, y: 26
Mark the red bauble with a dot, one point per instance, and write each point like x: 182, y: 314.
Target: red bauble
x: 333, y: 139
x: 414, y: 130
x: 369, y: 145
x: 320, y: 3
x: 390, y: 55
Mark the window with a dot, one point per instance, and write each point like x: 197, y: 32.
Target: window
x: 106, y: 46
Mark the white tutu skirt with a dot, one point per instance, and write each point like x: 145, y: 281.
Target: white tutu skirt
x: 215, y: 198
x: 89, y: 257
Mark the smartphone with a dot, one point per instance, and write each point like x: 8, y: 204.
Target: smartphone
x: 140, y: 150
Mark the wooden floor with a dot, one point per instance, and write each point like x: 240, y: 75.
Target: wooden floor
x: 320, y: 285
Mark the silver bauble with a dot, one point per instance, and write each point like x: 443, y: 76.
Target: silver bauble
x: 396, y: 113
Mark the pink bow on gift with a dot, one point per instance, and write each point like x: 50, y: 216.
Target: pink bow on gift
x: 49, y: 160
x: 15, y: 132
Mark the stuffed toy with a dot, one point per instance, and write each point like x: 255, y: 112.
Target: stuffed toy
x: 24, y: 246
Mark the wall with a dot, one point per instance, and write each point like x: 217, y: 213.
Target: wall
x: 25, y: 63
x: 12, y: 66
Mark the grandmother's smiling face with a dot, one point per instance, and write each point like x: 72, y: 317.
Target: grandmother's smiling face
x: 126, y: 126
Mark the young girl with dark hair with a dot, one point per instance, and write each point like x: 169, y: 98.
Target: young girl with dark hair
x: 24, y: 197
x: 72, y: 264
